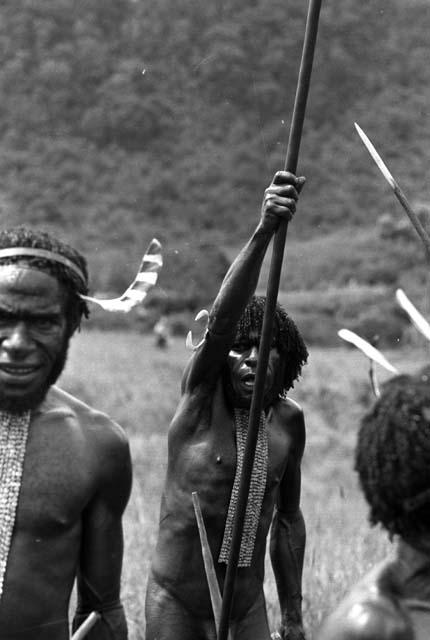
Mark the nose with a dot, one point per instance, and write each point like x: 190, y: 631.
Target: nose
x: 17, y: 341
x: 252, y: 355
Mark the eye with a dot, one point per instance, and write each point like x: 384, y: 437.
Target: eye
x: 241, y: 346
x: 45, y: 324
x: 4, y: 319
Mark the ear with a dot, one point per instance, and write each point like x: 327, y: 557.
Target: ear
x: 279, y: 382
x: 73, y: 323
x: 72, y: 312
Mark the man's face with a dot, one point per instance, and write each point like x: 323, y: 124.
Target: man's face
x: 33, y: 335
x: 242, y: 365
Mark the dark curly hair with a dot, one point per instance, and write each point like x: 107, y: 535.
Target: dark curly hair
x: 25, y: 237
x: 286, y: 338
x: 392, y: 457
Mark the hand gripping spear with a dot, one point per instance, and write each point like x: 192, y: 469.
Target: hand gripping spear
x: 302, y: 91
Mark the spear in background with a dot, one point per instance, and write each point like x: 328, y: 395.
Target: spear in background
x: 293, y: 148
x: 415, y: 316
x: 371, y: 352
x: 397, y: 190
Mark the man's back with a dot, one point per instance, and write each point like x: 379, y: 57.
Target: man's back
x: 391, y: 603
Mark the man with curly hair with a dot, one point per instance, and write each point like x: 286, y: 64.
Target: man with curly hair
x: 393, y: 463
x: 206, y: 443
x: 65, y: 468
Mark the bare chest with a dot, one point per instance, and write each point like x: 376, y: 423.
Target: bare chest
x: 57, y: 481
x: 206, y: 461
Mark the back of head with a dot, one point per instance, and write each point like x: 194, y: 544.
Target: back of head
x: 286, y: 337
x: 51, y: 256
x: 392, y: 457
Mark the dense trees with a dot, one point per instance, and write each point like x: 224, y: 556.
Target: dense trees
x: 125, y: 119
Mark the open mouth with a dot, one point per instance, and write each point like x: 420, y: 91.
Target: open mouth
x: 248, y: 379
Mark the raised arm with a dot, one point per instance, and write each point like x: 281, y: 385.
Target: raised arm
x: 99, y: 571
x: 288, y: 537
x: 241, y: 280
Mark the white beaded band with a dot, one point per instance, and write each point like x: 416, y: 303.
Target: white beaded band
x: 13, y: 441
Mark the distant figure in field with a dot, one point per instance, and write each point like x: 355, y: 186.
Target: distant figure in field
x: 205, y: 452
x: 161, y: 333
x: 393, y: 463
x: 65, y: 469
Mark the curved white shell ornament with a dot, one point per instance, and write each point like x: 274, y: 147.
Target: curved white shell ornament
x: 146, y: 278
x: 189, y: 339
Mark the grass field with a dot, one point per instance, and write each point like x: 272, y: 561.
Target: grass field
x: 125, y: 375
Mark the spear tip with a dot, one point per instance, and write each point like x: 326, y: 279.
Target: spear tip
x: 376, y: 157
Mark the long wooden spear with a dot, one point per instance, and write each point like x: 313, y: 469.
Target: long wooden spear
x: 294, y: 140
x: 416, y: 222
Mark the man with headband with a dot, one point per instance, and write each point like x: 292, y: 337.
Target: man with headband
x: 205, y: 453
x: 65, y: 470
x: 392, y: 458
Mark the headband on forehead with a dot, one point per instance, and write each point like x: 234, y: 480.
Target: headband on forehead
x: 42, y: 253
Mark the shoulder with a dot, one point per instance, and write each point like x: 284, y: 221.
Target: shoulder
x: 93, y: 425
x: 367, y: 619
x: 370, y: 612
x: 93, y: 438
x: 288, y: 420
x: 289, y: 414
x: 289, y: 407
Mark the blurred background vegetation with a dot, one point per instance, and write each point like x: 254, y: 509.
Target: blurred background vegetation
x: 121, y: 120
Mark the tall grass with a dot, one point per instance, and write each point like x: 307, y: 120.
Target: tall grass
x: 138, y: 385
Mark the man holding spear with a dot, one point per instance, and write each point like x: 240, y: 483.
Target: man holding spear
x: 205, y: 455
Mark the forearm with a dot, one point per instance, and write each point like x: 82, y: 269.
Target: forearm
x: 111, y: 624
x: 287, y: 547
x: 239, y: 284
x: 279, y: 203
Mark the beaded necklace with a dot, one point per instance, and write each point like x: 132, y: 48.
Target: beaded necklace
x: 13, y: 440
x: 256, y: 489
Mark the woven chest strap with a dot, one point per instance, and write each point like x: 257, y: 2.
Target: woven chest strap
x: 256, y: 489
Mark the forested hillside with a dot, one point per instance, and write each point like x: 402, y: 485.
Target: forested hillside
x: 121, y: 120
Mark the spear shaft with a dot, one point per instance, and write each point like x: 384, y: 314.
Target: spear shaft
x: 416, y: 222
x: 86, y: 626
x: 293, y: 147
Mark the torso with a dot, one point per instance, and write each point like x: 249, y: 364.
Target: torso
x: 202, y: 458
x: 59, y: 479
